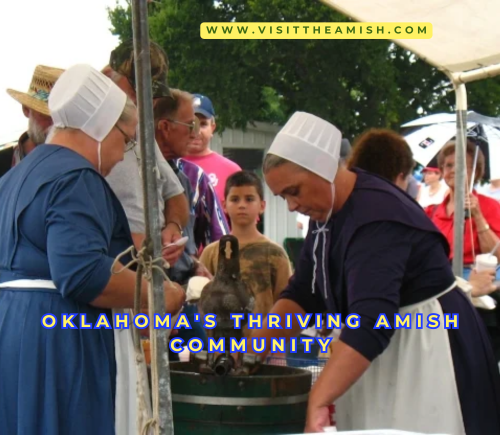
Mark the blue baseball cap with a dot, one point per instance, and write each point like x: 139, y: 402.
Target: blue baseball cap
x: 203, y: 106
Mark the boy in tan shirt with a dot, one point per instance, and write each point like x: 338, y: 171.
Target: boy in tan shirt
x: 265, y: 267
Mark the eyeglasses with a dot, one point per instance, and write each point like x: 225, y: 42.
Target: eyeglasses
x: 194, y: 126
x: 129, y: 142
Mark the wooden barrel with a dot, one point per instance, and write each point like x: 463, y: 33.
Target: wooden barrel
x: 274, y: 401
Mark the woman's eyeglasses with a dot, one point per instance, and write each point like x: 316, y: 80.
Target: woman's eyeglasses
x: 129, y: 142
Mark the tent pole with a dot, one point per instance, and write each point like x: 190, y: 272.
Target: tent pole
x: 160, y: 370
x: 478, y: 74
x: 460, y: 177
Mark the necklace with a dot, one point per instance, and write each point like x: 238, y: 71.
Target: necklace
x: 431, y: 193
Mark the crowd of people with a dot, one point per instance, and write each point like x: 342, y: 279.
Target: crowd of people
x: 73, y: 203
x: 80, y: 155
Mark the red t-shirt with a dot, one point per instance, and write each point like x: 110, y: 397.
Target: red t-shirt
x: 491, y: 212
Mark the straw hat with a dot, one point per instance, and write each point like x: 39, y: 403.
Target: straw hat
x: 37, y: 96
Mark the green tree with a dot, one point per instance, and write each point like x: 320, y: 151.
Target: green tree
x: 356, y: 84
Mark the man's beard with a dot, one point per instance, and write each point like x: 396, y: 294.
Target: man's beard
x: 36, y: 133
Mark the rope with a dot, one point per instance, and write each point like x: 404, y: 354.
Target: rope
x: 145, y: 268
x: 149, y: 425
x: 321, y: 231
x: 140, y: 259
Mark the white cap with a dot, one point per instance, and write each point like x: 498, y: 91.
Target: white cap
x: 310, y: 142
x: 87, y: 100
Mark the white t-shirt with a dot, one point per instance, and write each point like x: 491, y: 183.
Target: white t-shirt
x: 427, y: 199
x: 126, y: 182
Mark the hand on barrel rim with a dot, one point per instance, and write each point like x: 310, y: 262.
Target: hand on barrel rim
x: 317, y: 419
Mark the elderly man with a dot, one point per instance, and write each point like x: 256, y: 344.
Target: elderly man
x: 35, y: 108
x: 173, y: 139
x: 174, y: 120
x: 175, y: 127
x: 125, y: 177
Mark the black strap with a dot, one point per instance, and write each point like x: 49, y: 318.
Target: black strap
x: 6, y: 156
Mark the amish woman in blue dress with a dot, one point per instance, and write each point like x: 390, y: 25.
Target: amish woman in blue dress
x: 61, y: 228
x: 370, y: 250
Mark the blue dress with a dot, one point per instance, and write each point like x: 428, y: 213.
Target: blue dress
x: 59, y: 221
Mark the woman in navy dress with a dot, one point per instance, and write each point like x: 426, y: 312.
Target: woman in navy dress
x: 372, y: 250
x: 61, y: 228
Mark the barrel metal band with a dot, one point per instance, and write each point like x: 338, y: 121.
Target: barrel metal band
x: 239, y: 401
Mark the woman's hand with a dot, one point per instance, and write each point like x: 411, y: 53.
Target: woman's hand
x: 175, y: 296
x: 482, y: 282
x: 472, y: 203
x: 317, y: 418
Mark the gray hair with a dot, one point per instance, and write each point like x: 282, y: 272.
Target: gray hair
x: 129, y: 112
x: 126, y: 117
x: 167, y: 107
x: 36, y: 133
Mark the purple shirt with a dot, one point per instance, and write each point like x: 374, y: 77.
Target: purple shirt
x: 210, y: 222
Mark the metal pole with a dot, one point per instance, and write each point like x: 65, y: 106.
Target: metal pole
x: 160, y: 370
x: 478, y: 74
x: 460, y: 177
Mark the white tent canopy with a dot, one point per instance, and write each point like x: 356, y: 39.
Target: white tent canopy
x: 466, y: 33
x: 464, y: 45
